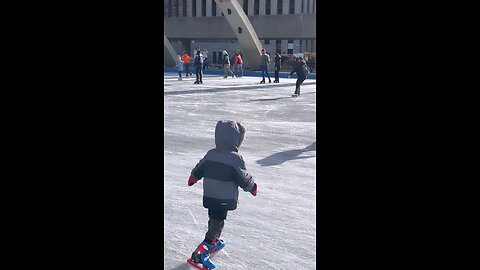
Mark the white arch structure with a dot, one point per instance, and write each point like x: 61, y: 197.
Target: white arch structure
x: 242, y: 27
x: 169, y: 54
x: 244, y: 31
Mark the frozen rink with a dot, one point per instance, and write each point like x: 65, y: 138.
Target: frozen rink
x: 276, y: 229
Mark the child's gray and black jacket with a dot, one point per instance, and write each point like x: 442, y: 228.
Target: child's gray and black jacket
x: 223, y: 168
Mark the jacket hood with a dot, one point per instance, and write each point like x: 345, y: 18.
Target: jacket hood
x: 229, y: 134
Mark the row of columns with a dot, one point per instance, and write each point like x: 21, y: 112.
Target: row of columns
x: 262, y: 7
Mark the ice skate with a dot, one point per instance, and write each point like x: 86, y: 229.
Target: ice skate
x: 262, y: 81
x: 196, y: 82
x: 180, y: 79
x: 269, y: 81
x: 217, y: 245
x: 200, y: 257
x: 225, y: 77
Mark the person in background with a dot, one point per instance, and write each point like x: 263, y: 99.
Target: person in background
x: 186, y: 63
x: 301, y: 69
x: 264, y: 62
x: 238, y: 63
x: 205, y: 59
x: 226, y: 65
x: 198, y: 66
x: 278, y: 64
x: 179, y: 67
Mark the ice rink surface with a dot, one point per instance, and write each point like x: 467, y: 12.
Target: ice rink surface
x: 276, y: 229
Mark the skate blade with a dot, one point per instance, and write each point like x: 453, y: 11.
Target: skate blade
x: 197, y: 265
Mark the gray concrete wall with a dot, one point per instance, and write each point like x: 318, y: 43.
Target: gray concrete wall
x: 266, y: 27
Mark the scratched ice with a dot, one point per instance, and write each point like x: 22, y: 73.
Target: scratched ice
x: 276, y: 229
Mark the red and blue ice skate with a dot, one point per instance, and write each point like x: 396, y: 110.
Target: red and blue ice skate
x: 201, y: 256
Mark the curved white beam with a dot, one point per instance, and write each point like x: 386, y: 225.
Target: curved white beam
x: 244, y: 31
x: 169, y: 54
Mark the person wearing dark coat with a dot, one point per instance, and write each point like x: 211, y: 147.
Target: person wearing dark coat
x: 198, y: 65
x: 301, y: 69
x: 278, y: 64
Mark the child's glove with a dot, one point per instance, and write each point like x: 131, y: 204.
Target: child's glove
x: 254, y: 190
x: 192, y: 180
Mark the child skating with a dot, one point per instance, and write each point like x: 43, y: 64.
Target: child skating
x: 223, y: 171
x: 179, y: 67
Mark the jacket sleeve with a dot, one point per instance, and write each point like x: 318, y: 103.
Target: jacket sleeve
x: 197, y: 172
x: 243, y: 178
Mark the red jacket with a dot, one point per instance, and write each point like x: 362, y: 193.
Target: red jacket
x: 185, y: 58
x: 238, y: 60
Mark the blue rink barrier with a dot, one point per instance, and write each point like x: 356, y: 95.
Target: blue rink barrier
x: 245, y: 73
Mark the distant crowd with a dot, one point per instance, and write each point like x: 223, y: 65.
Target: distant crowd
x: 301, y: 65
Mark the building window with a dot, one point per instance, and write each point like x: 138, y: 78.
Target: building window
x: 220, y: 58
x: 303, y: 8
x: 292, y: 7
x: 177, y: 8
x: 214, y: 60
x: 214, y: 8
x: 290, y: 46
x: 280, y: 7
x: 240, y: 30
x: 204, y: 8
x: 194, y: 8
x: 169, y: 8
x: 256, y: 7
x: 245, y: 6
x: 308, y: 6
x: 267, y: 41
x: 313, y: 9
x: 184, y: 8
x: 268, y: 7
x: 278, y: 45
x: 229, y: 11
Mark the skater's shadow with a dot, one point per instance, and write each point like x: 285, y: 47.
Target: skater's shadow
x: 267, y: 99
x: 281, y: 157
x: 183, y: 266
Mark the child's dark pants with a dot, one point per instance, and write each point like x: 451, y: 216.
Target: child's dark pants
x: 215, y: 224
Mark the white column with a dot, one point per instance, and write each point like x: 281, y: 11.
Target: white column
x: 298, y: 7
x: 286, y: 7
x: 296, y: 46
x: 189, y: 8
x: 209, y: 8
x: 199, y: 8
x: 250, y: 7
x: 261, y: 10
x: 273, y: 9
x: 284, y: 46
x: 219, y: 11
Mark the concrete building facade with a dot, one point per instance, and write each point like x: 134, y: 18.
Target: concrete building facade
x: 285, y: 26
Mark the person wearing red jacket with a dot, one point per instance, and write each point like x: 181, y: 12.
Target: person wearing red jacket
x: 238, y: 65
x: 186, y: 62
x: 223, y: 171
